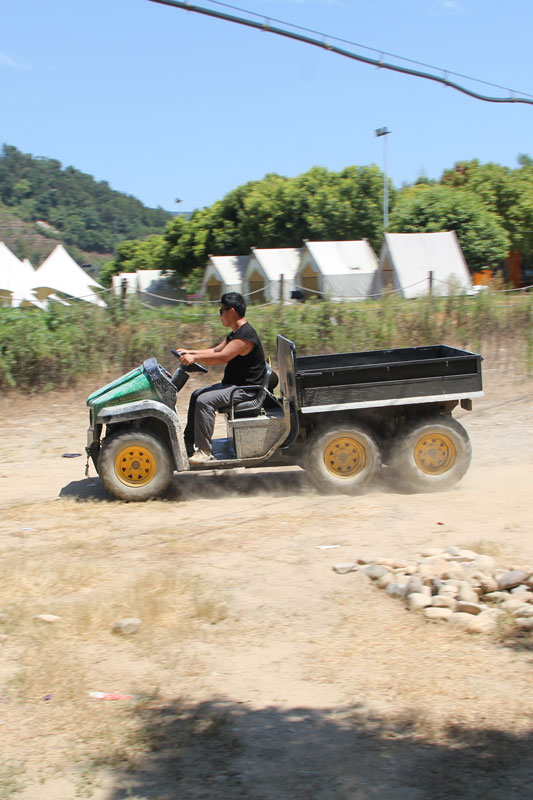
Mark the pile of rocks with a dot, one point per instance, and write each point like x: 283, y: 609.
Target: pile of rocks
x: 456, y: 586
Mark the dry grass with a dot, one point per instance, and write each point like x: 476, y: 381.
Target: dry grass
x: 485, y: 547
x: 49, y: 669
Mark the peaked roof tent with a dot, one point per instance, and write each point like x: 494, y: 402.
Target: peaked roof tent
x: 343, y: 258
x: 407, y: 259
x: 60, y: 273
x: 155, y: 288
x: 265, y: 268
x: 277, y: 261
x: 341, y: 269
x: 15, y: 280
x: 224, y: 274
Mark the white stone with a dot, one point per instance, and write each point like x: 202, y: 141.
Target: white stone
x: 375, y: 571
x: 469, y: 608
x: 468, y: 555
x: 47, y: 618
x: 441, y: 601
x: 454, y: 573
x: 523, y: 611
x: 512, y: 604
x: 431, y: 551
x: 396, y: 589
x: 466, y: 594
x: 489, y: 584
x: 400, y: 563
x: 414, y: 584
x: 126, y: 626
x: 448, y: 591
x: 384, y: 581
x: 484, y: 563
x: 453, y: 551
x: 497, y: 596
x: 483, y: 623
x: 436, y: 614
x: 512, y: 578
x: 417, y: 601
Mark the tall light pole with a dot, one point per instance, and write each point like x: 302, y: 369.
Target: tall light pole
x: 385, y: 132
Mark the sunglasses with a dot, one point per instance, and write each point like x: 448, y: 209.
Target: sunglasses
x: 221, y: 310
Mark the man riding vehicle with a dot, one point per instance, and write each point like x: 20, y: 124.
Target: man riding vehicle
x: 242, y: 353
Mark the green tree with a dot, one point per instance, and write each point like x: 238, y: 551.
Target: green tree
x: 508, y: 193
x: 280, y: 212
x: 89, y: 214
x: 483, y: 240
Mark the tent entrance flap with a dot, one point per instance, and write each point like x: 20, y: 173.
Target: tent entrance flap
x: 213, y: 288
x: 257, y: 288
x: 309, y: 280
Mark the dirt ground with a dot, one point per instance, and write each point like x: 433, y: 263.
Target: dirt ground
x: 258, y: 672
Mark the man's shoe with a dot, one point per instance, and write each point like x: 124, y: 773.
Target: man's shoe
x: 201, y: 457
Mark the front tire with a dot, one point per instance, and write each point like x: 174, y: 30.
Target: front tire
x: 135, y: 466
x: 433, y: 454
x: 342, y: 459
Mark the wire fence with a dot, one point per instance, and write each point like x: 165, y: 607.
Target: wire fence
x: 272, y: 289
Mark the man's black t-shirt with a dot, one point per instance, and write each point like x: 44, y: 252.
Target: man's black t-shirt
x: 249, y: 369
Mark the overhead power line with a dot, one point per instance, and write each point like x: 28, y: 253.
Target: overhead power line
x: 325, y: 43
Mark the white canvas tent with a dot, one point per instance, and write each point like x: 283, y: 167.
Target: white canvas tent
x: 262, y: 279
x: 340, y: 270
x: 15, y: 280
x: 155, y: 289
x: 60, y: 273
x: 150, y: 286
x: 408, y: 259
x: 223, y: 274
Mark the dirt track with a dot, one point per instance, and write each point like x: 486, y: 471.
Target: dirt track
x: 268, y: 675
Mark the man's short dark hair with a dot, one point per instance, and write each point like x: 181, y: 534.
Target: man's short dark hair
x: 234, y: 300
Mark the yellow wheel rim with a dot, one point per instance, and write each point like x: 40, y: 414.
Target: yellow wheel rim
x: 135, y: 465
x: 344, y: 457
x: 434, y: 453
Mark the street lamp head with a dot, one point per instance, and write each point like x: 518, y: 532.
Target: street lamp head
x: 382, y: 131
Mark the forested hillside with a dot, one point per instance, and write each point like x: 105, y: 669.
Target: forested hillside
x: 74, y: 208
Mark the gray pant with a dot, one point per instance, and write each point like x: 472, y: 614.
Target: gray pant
x: 202, y: 407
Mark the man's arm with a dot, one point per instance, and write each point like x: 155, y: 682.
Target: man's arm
x: 220, y: 354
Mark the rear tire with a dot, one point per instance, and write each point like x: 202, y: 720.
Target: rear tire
x: 342, y: 459
x: 135, y: 466
x: 431, y: 455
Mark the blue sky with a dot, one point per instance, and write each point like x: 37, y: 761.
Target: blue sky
x: 165, y: 104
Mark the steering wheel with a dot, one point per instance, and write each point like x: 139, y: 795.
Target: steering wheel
x: 191, y: 367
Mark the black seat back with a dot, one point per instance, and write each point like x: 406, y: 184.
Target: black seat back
x: 251, y: 408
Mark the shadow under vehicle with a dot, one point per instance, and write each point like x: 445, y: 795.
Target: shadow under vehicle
x: 339, y: 416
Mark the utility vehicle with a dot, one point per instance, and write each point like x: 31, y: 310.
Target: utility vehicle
x: 339, y: 416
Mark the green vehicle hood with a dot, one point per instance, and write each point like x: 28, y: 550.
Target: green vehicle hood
x: 134, y: 385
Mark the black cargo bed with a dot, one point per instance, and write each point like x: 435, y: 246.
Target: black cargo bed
x: 403, y: 374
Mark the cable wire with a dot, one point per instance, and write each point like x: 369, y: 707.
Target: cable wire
x: 326, y: 45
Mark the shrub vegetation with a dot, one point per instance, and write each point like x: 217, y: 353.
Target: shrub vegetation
x: 56, y: 348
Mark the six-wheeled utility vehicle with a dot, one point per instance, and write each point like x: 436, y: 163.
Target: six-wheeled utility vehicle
x: 338, y: 416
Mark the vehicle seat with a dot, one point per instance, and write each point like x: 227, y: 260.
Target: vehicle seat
x: 253, y: 407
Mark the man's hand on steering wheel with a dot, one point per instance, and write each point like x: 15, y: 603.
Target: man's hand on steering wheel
x: 186, y: 359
